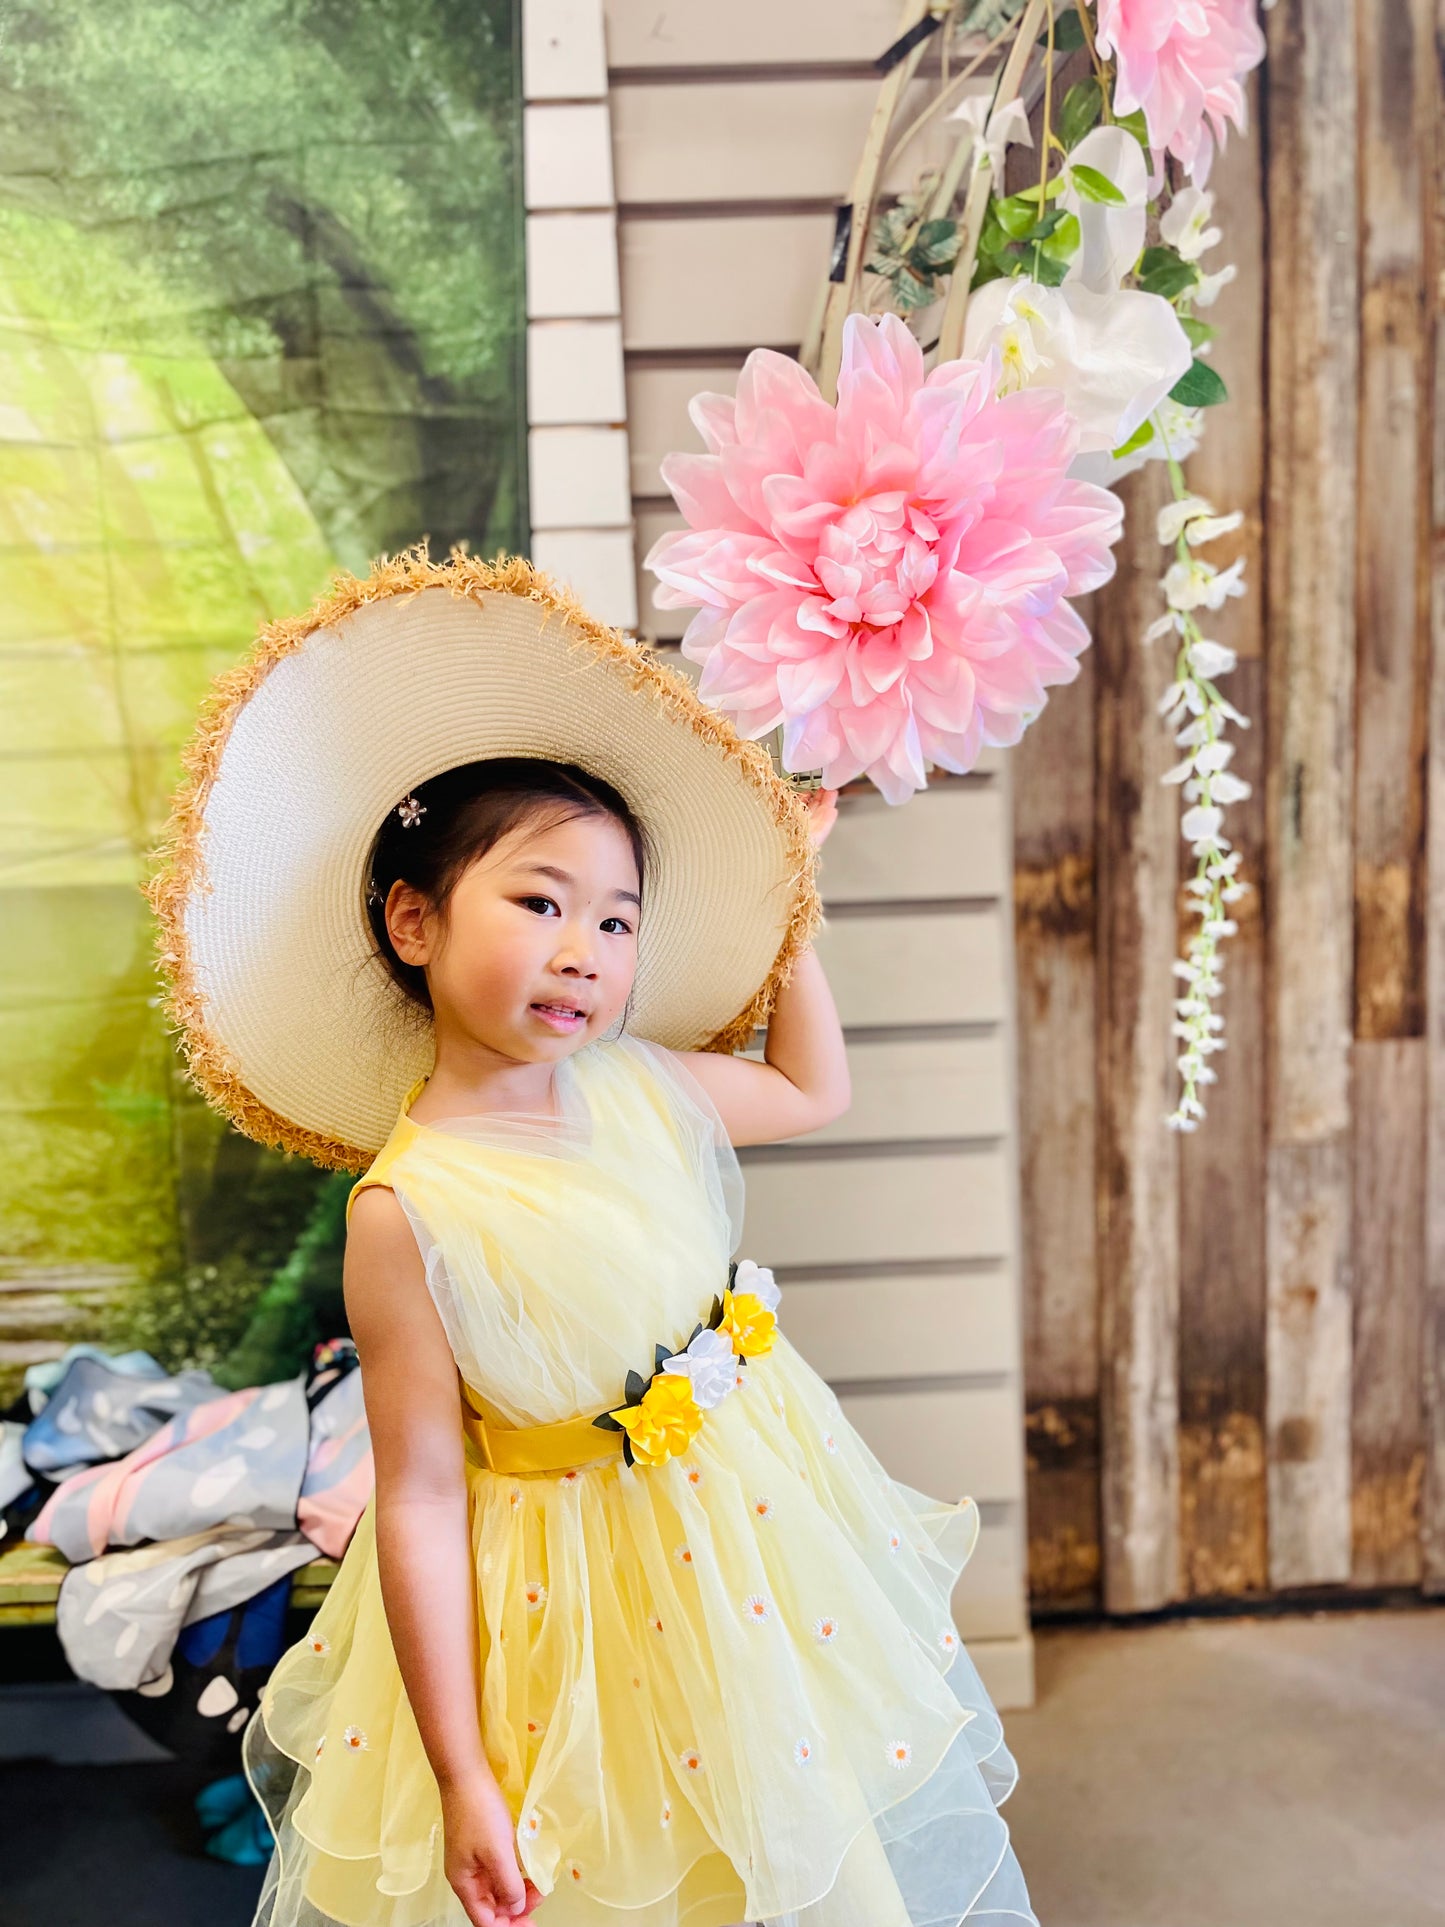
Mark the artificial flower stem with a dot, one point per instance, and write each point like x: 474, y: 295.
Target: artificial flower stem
x: 1047, y: 131
x: 950, y: 333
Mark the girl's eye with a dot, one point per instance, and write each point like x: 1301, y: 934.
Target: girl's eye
x: 617, y: 926
x: 548, y: 907
x: 625, y: 927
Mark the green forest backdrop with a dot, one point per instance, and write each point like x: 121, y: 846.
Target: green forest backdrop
x: 260, y: 316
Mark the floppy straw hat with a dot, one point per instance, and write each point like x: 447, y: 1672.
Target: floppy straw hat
x: 290, y: 1023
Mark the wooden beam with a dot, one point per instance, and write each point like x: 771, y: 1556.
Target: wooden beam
x: 1054, y: 915
x: 1433, y: 1319
x: 1313, y: 299
x: 1138, y: 1166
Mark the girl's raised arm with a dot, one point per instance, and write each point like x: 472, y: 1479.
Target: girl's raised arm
x: 424, y: 1547
x: 802, y: 1083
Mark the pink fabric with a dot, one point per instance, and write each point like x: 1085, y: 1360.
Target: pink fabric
x: 1182, y: 61
x: 340, y: 1474
x: 887, y: 578
x: 110, y: 1491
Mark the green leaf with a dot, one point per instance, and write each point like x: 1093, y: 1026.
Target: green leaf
x: 659, y: 1353
x: 1063, y: 243
x: 937, y: 240
x: 627, y: 1448
x: 1095, y: 186
x: 608, y: 1423
x: 990, y: 267
x: 1198, y: 331
x: 1136, y: 125
x: 1083, y: 104
x: 715, y: 1317
x: 992, y: 240
x: 1199, y: 387
x: 636, y: 1386
x: 1165, y: 271
x: 1141, y: 438
x: 1016, y: 215
x: 910, y: 292
x: 1068, y: 33
x: 1049, y: 271
x: 1053, y: 187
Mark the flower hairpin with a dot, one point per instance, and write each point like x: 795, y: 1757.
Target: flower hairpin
x: 410, y: 812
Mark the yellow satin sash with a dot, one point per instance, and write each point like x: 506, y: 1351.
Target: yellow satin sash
x: 521, y: 1449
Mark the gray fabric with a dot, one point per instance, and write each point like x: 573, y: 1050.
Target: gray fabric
x: 245, y: 1472
x: 97, y: 1413
x: 118, y: 1616
x: 14, y: 1473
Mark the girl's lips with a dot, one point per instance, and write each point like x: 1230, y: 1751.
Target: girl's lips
x: 563, y: 1017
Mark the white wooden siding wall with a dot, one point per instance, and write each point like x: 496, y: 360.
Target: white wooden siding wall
x: 581, y: 507
x: 733, y: 132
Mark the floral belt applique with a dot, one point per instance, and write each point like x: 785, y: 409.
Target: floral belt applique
x: 666, y: 1409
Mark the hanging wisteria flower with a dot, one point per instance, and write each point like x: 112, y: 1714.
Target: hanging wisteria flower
x: 1208, y: 784
x: 1182, y: 62
x: 888, y: 578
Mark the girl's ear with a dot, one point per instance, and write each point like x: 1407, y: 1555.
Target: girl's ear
x: 408, y: 923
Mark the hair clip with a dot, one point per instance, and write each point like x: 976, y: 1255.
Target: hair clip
x: 409, y: 810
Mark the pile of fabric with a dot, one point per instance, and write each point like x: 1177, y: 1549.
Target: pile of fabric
x: 184, y: 1509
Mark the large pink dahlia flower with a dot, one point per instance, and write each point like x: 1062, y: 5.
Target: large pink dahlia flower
x: 885, y: 579
x: 1182, y: 61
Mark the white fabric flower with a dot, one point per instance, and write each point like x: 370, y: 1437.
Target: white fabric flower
x: 993, y: 135
x: 1114, y: 357
x: 1177, y: 432
x: 710, y: 1363
x: 757, y: 1280
x: 1111, y: 234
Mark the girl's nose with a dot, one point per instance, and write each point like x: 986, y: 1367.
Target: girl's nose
x: 575, y: 958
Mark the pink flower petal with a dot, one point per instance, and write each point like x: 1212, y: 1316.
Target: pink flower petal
x: 888, y: 578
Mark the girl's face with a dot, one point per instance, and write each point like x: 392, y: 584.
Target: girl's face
x: 536, y: 949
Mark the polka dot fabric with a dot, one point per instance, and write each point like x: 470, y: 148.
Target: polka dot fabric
x: 721, y: 1689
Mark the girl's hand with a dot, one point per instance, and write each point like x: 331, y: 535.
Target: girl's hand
x: 822, y: 807
x: 481, y: 1855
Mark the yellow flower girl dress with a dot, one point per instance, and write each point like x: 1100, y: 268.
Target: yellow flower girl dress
x: 718, y: 1677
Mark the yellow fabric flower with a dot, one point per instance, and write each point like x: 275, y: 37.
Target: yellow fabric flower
x: 665, y: 1421
x: 749, y: 1323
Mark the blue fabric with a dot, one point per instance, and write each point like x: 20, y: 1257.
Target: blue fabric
x: 262, y: 1637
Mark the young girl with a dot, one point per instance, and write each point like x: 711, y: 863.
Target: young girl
x: 637, y: 1630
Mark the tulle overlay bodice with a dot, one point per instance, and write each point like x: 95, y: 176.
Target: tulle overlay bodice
x: 722, y: 1688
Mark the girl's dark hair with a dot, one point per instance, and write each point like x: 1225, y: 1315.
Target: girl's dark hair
x: 464, y: 812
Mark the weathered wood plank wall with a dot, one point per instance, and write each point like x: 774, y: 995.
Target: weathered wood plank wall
x: 1234, y: 1361
x: 894, y: 1232
x: 1234, y: 1342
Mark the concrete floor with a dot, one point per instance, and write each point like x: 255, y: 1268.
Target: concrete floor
x: 1216, y: 1773
x: 1236, y: 1773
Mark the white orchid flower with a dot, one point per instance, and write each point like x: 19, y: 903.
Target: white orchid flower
x: 991, y: 136
x: 710, y: 1363
x: 1184, y: 224
x: 1113, y: 356
x: 1111, y: 234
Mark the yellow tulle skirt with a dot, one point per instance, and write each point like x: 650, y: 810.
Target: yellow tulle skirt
x: 722, y: 1689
